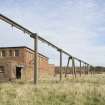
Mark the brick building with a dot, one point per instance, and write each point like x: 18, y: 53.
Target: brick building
x: 17, y: 63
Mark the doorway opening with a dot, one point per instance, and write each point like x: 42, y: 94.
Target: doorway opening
x: 18, y: 72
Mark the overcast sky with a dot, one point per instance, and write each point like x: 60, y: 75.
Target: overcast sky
x: 78, y: 26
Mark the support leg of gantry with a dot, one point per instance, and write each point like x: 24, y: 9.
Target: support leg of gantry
x: 73, y: 67
x: 66, y: 69
x: 80, y: 69
x: 60, y: 65
x: 84, y: 69
x: 87, y: 69
x: 91, y: 70
x: 35, y: 37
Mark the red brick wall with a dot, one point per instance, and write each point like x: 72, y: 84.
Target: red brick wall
x: 42, y: 61
x: 19, y: 59
x: 26, y: 58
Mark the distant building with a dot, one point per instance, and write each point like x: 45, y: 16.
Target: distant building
x: 17, y: 63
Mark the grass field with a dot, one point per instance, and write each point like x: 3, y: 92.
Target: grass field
x: 89, y: 90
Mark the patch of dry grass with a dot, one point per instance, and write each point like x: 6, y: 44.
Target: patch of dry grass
x: 85, y: 90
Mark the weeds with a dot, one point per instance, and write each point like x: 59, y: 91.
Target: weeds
x: 83, y: 90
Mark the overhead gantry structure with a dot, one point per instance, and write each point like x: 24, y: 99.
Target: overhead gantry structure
x: 36, y: 37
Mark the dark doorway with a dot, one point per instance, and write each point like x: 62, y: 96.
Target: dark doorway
x: 18, y: 72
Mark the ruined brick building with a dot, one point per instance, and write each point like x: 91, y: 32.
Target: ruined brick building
x: 17, y: 63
